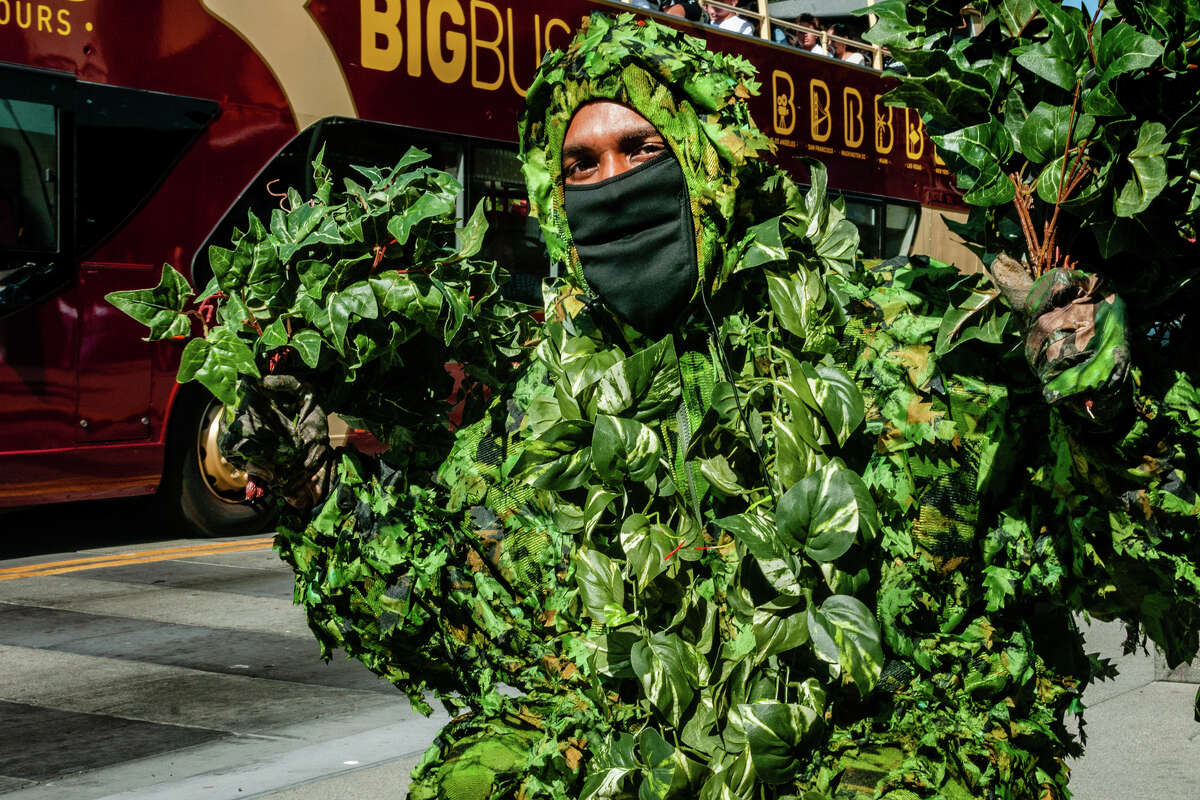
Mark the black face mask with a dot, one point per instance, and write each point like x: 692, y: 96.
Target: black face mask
x: 637, y: 242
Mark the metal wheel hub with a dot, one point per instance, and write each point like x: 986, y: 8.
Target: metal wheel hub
x: 224, y: 481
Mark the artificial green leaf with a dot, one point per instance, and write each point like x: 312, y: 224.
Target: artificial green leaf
x: 826, y: 512
x: 1124, y: 49
x: 647, y: 547
x: 344, y: 307
x: 217, y: 361
x: 1043, y: 136
x: 774, y: 732
x: 1149, y: 171
x: 666, y: 667
x: 624, y: 448
x: 308, y: 344
x: 844, y: 632
x: 600, y: 584
x: 160, y: 308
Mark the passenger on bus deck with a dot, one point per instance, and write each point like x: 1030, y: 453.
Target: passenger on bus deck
x: 840, y: 50
x: 725, y: 19
x: 688, y: 9
x: 810, y: 40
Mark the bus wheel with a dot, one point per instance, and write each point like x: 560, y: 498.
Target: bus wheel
x: 200, y: 490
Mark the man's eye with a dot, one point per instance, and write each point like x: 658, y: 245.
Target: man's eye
x: 579, y: 167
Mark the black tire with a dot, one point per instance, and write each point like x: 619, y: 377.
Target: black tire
x: 189, y: 497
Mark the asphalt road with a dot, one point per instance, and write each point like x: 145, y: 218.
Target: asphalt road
x: 134, y: 664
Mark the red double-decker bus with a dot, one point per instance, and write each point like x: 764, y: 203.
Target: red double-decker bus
x: 137, y: 132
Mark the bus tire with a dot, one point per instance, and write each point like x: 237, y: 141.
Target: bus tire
x: 201, y: 494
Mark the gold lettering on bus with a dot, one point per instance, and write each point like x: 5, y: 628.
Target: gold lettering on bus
x: 784, y: 102
x: 852, y: 120
x: 820, y: 119
x: 455, y: 41
x: 883, y: 125
x: 412, y: 35
x: 478, y: 44
x: 914, y: 135
x: 512, y: 58
x: 551, y: 25
x: 377, y: 24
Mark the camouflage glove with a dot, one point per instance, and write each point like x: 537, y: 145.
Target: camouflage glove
x: 281, y: 435
x: 1076, y: 337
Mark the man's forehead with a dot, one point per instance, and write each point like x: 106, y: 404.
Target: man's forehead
x: 601, y: 118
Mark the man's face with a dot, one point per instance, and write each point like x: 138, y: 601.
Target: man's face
x: 606, y: 139
x: 810, y: 40
x: 716, y: 14
x: 677, y: 10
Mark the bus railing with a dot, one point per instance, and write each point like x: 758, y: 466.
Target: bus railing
x: 765, y: 24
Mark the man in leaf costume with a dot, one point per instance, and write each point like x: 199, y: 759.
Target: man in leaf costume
x: 809, y: 530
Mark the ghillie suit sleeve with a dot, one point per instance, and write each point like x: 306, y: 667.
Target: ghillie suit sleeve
x: 818, y: 541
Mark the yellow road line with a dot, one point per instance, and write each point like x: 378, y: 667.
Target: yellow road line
x: 138, y: 557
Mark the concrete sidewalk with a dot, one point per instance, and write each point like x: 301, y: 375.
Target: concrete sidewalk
x: 1143, y: 743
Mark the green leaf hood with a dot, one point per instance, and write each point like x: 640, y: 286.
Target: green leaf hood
x: 692, y: 95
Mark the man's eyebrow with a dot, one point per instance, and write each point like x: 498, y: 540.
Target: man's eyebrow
x: 577, y: 151
x: 639, y: 134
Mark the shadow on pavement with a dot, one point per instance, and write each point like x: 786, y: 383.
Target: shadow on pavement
x: 64, y: 527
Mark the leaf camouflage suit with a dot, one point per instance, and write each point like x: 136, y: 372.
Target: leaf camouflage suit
x: 821, y: 536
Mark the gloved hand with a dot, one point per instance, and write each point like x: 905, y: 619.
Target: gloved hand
x: 281, y: 435
x: 1076, y: 336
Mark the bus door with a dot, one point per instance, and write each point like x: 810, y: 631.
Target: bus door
x: 38, y: 333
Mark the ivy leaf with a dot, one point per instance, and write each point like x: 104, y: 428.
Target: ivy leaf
x: 428, y: 205
x: 991, y: 322
x: 1043, y: 136
x: 471, y: 235
x: 274, y: 335
x: 217, y: 361
x: 1149, y: 176
x: 758, y: 535
x: 1015, y: 15
x: 844, y: 632
x: 666, y: 667
x: 826, y: 512
x: 614, y: 764
x: 666, y: 768
x: 766, y: 246
x: 1044, y: 63
x: 984, y: 149
x: 308, y: 344
x: 160, y: 308
x: 1125, y: 49
x: 356, y: 301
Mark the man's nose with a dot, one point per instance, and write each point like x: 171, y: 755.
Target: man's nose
x: 611, y: 165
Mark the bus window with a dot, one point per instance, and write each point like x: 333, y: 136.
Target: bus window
x: 347, y: 143
x: 128, y: 140
x: 29, y: 192
x: 514, y: 239
x: 885, y: 229
x: 899, y: 228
